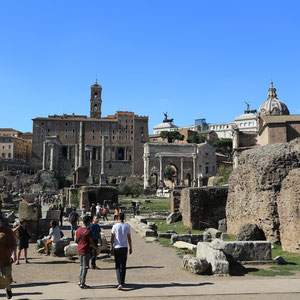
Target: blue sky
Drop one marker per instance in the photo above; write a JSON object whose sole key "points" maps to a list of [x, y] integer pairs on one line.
{"points": [[192, 59]]}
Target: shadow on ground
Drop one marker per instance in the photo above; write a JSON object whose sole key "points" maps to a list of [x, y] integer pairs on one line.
{"points": [[136, 286]]}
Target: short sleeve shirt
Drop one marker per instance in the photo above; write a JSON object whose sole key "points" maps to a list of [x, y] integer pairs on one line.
{"points": [[120, 231], [84, 243], [95, 231]]}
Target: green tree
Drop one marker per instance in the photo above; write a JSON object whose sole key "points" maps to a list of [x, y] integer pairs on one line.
{"points": [[196, 138], [168, 173], [171, 136], [223, 173], [130, 188], [224, 146]]}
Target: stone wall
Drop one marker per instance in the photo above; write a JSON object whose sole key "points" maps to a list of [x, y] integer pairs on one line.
{"points": [[288, 203], [175, 200], [203, 207], [254, 187]]}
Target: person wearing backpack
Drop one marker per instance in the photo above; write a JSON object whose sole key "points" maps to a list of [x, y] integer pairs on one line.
{"points": [[74, 221], [85, 242]]}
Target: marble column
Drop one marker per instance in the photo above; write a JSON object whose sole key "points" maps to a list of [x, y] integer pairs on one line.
{"points": [[103, 179], [81, 144], [91, 180], [76, 156], [51, 158], [146, 172], [44, 156], [181, 171], [194, 171], [161, 178]]}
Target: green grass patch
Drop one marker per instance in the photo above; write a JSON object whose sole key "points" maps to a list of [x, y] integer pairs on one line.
{"points": [[162, 226], [156, 205], [231, 238], [292, 266]]}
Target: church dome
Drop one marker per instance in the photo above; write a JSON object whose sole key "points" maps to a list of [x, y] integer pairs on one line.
{"points": [[273, 106]]}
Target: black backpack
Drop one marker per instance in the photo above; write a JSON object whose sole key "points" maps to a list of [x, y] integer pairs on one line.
{"points": [[73, 217]]}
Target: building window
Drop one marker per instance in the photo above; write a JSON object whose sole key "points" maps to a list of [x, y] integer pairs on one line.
{"points": [[113, 131], [112, 125], [56, 124], [9, 146], [3, 147], [120, 137], [73, 130], [66, 136], [101, 131], [93, 137], [66, 130], [131, 127], [49, 123], [93, 130], [206, 169], [113, 137], [93, 125], [131, 132], [37, 124], [131, 138], [42, 123], [120, 131], [126, 138], [107, 131], [3, 155], [66, 123], [73, 136], [9, 155], [56, 130]]}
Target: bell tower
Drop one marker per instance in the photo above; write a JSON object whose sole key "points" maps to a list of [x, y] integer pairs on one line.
{"points": [[96, 101]]}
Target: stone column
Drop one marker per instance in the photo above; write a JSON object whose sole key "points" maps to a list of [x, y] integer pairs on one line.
{"points": [[102, 179], [194, 171], [44, 156], [146, 171], [97, 154], [76, 156], [181, 171], [161, 179], [91, 180], [81, 144], [51, 158]]}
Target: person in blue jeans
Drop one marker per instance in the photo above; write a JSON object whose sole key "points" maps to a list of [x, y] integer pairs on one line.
{"points": [[96, 236], [74, 220], [120, 238]]}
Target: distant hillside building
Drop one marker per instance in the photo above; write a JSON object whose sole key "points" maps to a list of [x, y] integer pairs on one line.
{"points": [[124, 134]]}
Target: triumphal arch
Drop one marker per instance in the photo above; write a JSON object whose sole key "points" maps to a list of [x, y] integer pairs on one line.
{"points": [[191, 163]]}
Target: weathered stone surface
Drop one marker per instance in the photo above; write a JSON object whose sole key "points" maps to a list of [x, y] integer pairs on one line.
{"points": [[198, 266], [152, 225], [58, 247], [70, 250], [141, 228], [250, 232], [173, 217], [29, 211], [288, 203], [194, 265], [185, 261], [175, 200], [222, 225], [189, 238], [224, 236], [141, 219], [255, 184], [206, 236], [53, 214], [217, 244], [185, 245], [248, 250], [216, 258], [215, 234], [203, 207], [164, 235]]}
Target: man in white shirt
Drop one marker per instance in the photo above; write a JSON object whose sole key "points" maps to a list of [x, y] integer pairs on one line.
{"points": [[120, 234], [98, 209]]}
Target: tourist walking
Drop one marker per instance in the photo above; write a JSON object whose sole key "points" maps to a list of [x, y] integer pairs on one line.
{"points": [[120, 234], [23, 240], [61, 208], [96, 236], [74, 221], [104, 213], [85, 242], [98, 209], [116, 215], [7, 246], [93, 210], [54, 236]]}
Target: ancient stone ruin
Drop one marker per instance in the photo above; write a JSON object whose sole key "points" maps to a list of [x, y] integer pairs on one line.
{"points": [[264, 190]]}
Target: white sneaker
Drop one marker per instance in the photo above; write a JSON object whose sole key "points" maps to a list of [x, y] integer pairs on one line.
{"points": [[120, 287]]}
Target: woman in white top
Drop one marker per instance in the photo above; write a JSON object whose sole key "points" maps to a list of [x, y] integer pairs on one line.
{"points": [[54, 236]]}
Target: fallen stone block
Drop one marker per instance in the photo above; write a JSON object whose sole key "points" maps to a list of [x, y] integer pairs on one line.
{"points": [[58, 247], [164, 235], [206, 236], [215, 234], [70, 250], [189, 238], [141, 219], [248, 250], [216, 258], [173, 217], [184, 245], [197, 266], [185, 261], [250, 232]]}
